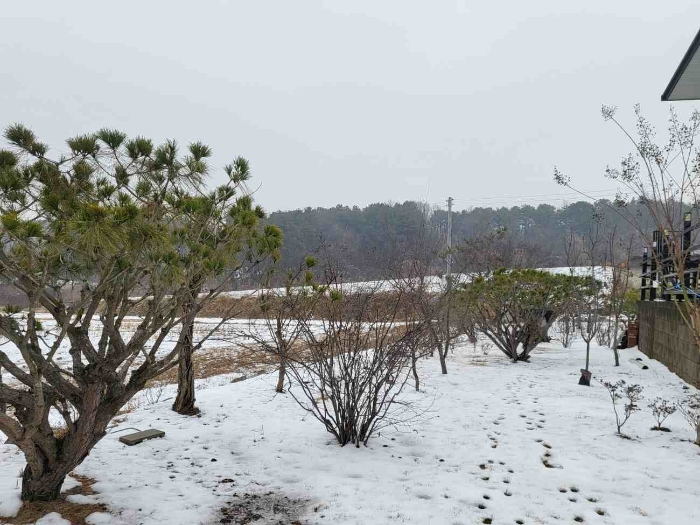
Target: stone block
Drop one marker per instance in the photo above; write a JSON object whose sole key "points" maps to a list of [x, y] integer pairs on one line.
{"points": [[138, 437]]}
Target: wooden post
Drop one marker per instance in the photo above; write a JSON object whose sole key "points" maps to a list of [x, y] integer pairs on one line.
{"points": [[654, 254], [664, 264], [645, 267], [687, 228]]}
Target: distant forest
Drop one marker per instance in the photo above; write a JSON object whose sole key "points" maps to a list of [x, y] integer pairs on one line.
{"points": [[367, 241], [365, 238]]}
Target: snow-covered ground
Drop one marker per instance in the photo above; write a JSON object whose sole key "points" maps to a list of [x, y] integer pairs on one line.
{"points": [[436, 283], [229, 336], [476, 454]]}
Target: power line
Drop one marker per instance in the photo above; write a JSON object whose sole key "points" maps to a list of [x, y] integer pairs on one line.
{"points": [[450, 200], [509, 197], [514, 201]]}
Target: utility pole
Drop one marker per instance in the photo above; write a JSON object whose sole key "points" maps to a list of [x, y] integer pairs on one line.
{"points": [[450, 200]]}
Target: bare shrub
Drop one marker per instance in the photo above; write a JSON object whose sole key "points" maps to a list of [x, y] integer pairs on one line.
{"points": [[565, 329], [661, 409], [283, 312], [414, 271], [357, 362], [690, 408], [486, 347], [154, 391], [604, 335], [629, 395]]}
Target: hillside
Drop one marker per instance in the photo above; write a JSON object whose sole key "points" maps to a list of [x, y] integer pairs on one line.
{"points": [[366, 239]]}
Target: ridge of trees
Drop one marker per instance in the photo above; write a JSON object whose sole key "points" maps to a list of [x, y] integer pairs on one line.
{"points": [[367, 238]]}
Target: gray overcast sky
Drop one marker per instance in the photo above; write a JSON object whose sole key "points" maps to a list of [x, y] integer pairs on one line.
{"points": [[358, 101]]}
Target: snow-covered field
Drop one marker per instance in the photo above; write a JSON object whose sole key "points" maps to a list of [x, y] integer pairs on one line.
{"points": [[436, 283], [229, 336], [475, 455]]}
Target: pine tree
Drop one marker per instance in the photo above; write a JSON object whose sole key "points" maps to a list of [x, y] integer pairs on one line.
{"points": [[132, 227]]}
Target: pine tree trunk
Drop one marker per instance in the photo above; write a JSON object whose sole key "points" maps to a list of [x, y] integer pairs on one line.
{"points": [[46, 487], [185, 401]]}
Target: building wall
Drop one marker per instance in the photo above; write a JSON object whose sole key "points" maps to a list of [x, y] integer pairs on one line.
{"points": [[664, 336]]}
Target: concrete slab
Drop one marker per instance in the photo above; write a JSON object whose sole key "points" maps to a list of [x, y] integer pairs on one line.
{"points": [[138, 437]]}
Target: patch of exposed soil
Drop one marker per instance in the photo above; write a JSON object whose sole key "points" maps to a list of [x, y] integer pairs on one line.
{"points": [[269, 508]]}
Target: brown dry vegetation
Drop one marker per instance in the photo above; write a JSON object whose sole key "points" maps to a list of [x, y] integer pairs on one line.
{"points": [[73, 512], [249, 307], [248, 360], [219, 361]]}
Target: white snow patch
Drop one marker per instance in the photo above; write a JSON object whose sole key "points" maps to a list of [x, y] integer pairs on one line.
{"points": [[100, 518], [11, 465], [489, 424], [81, 499], [53, 519]]}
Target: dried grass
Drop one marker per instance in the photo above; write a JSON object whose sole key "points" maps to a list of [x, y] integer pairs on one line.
{"points": [[73, 512]]}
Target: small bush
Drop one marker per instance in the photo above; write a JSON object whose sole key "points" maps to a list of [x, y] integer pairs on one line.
{"points": [[354, 368], [661, 410], [566, 329], [690, 408], [629, 394]]}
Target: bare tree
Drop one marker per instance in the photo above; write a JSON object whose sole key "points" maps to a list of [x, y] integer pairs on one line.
{"points": [[590, 304], [567, 325], [620, 254], [664, 179], [416, 276], [356, 363], [484, 253], [285, 311], [414, 293]]}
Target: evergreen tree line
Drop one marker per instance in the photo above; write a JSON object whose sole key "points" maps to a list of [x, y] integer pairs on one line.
{"points": [[368, 239]]}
